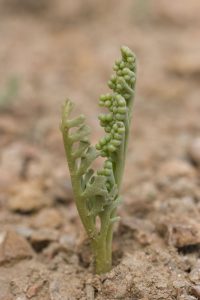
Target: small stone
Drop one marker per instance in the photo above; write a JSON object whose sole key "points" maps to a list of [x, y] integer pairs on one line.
{"points": [[142, 230], [33, 290], [195, 290], [13, 247], [183, 234], [27, 197], [185, 64], [24, 231], [187, 297], [176, 168], [47, 218], [179, 284], [194, 151], [40, 239], [21, 298], [67, 240], [195, 273]]}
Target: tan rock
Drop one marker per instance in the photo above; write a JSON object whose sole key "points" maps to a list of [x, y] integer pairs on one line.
{"points": [[47, 218], [27, 197], [13, 247], [176, 168], [181, 233]]}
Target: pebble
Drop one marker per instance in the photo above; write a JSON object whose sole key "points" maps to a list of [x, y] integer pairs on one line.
{"points": [[196, 291], [195, 273], [40, 239], [47, 218], [176, 168], [185, 64], [27, 197], [187, 297], [13, 247], [183, 234]]}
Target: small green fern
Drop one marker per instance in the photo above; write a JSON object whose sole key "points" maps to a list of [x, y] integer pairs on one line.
{"points": [[97, 192]]}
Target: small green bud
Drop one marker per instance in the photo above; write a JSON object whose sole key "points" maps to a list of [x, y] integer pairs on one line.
{"points": [[121, 110], [113, 78], [110, 84], [130, 59], [125, 71], [108, 137], [120, 117], [108, 97], [102, 117], [118, 97], [120, 124], [108, 103], [119, 73], [102, 142], [102, 97], [121, 130], [105, 148], [107, 129], [103, 154], [132, 79], [106, 172], [112, 131], [121, 102], [127, 77], [117, 62], [109, 117], [108, 164], [99, 172], [102, 123], [98, 147], [111, 148], [115, 126], [117, 136], [119, 86], [115, 143], [122, 64], [126, 96]]}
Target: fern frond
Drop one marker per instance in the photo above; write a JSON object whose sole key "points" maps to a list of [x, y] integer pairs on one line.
{"points": [[97, 192]]}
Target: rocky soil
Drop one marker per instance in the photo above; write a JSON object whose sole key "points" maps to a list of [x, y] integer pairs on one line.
{"points": [[51, 50]]}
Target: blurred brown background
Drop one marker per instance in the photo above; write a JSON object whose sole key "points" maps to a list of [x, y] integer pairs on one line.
{"points": [[51, 50]]}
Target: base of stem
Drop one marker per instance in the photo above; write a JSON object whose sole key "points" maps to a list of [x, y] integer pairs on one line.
{"points": [[102, 256]]}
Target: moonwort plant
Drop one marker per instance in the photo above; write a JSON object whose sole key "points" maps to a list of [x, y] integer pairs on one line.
{"points": [[96, 192]]}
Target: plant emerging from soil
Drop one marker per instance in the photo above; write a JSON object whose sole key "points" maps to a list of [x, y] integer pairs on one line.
{"points": [[97, 192]]}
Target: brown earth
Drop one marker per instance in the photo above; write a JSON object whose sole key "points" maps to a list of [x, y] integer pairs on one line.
{"points": [[51, 50]]}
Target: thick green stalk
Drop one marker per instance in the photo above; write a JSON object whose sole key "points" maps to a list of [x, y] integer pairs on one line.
{"points": [[102, 255]]}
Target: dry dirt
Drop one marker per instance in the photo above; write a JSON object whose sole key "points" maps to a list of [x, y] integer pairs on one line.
{"points": [[50, 50]]}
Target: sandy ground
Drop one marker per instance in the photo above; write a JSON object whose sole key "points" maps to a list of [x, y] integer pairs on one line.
{"points": [[51, 50]]}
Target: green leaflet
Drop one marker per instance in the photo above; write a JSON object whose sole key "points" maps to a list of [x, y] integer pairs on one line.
{"points": [[91, 186], [96, 187]]}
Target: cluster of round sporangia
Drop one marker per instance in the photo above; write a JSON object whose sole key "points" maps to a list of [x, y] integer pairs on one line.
{"points": [[124, 80], [107, 171], [107, 168], [113, 123], [112, 140]]}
